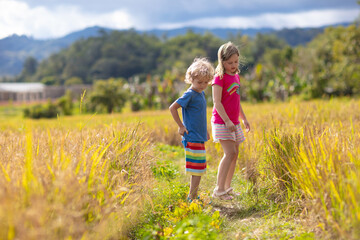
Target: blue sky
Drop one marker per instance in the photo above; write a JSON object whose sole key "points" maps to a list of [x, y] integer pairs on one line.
{"points": [[43, 19]]}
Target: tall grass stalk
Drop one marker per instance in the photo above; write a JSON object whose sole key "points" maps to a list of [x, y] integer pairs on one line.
{"points": [[59, 183], [321, 165], [305, 155]]}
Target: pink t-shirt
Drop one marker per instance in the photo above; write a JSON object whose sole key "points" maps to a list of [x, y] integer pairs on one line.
{"points": [[230, 98]]}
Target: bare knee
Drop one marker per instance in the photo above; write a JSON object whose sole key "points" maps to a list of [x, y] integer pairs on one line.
{"points": [[231, 150], [236, 153], [231, 154]]}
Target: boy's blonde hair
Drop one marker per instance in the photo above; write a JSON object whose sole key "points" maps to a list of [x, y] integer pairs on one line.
{"points": [[225, 52], [200, 68]]}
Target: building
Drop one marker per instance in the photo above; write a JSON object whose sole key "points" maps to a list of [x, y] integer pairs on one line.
{"points": [[22, 92], [31, 92]]}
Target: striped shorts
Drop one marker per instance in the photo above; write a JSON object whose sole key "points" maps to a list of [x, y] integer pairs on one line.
{"points": [[220, 132], [195, 156]]}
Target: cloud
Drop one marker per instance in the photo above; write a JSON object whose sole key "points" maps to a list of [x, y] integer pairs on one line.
{"points": [[315, 18], [18, 18], [55, 20]]}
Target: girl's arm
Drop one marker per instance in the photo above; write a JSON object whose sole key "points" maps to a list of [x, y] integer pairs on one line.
{"points": [[243, 117], [217, 94], [174, 112]]}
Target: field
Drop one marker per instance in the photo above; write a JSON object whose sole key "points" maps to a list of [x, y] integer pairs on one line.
{"points": [[121, 176]]}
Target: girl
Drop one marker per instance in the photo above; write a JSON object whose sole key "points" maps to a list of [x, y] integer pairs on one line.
{"points": [[225, 122], [193, 129]]}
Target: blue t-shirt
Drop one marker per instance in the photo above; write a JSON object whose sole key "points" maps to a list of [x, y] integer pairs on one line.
{"points": [[193, 106]]}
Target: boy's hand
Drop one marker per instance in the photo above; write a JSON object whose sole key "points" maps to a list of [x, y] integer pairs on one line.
{"points": [[182, 130]]}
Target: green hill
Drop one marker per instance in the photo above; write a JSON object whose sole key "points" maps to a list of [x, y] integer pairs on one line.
{"points": [[15, 49]]}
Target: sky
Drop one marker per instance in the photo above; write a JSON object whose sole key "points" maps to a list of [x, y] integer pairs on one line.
{"points": [[46, 19]]}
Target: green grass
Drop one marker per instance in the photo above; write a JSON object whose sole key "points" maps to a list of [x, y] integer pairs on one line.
{"points": [[250, 216], [11, 110]]}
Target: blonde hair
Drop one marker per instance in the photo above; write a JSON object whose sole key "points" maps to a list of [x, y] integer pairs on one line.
{"points": [[200, 68], [224, 53]]}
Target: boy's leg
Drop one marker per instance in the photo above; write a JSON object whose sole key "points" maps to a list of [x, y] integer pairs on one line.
{"points": [[194, 186], [230, 154], [232, 167], [195, 157]]}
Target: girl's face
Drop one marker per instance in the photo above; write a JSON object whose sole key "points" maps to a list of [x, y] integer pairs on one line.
{"points": [[199, 84], [231, 65]]}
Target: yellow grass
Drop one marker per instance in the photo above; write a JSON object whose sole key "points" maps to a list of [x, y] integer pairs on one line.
{"points": [[312, 155], [87, 176], [62, 182]]}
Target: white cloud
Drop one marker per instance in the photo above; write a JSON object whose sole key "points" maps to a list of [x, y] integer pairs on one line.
{"points": [[274, 20], [18, 18]]}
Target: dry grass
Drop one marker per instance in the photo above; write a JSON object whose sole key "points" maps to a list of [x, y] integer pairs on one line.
{"points": [[59, 183], [307, 155], [86, 176]]}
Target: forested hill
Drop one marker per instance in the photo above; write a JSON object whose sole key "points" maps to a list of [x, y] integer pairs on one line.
{"points": [[272, 69], [15, 49]]}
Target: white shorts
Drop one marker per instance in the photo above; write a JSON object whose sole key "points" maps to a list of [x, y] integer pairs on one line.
{"points": [[220, 132]]}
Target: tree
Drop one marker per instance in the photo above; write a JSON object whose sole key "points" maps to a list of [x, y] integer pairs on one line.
{"points": [[263, 42], [49, 80], [65, 103], [265, 58], [29, 69], [330, 63], [51, 67], [110, 94], [30, 66], [106, 68], [73, 81], [178, 53], [280, 74]]}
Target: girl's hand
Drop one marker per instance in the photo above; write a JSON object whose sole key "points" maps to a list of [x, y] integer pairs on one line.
{"points": [[208, 136], [230, 126], [182, 130], [247, 125]]}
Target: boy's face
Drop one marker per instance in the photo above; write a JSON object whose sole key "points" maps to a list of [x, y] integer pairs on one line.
{"points": [[231, 65], [200, 84]]}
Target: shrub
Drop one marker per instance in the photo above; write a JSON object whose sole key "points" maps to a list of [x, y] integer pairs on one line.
{"points": [[48, 110]]}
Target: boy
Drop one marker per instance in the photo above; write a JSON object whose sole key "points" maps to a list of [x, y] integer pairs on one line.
{"points": [[193, 129]]}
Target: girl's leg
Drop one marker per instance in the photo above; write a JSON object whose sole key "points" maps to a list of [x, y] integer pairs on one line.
{"points": [[232, 167], [230, 153], [194, 186]]}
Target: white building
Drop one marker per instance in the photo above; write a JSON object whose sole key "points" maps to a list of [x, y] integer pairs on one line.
{"points": [[29, 92], [22, 92]]}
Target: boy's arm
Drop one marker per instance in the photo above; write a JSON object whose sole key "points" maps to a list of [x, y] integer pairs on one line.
{"points": [[174, 112], [217, 94]]}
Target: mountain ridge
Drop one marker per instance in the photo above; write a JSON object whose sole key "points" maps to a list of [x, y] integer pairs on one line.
{"points": [[15, 49]]}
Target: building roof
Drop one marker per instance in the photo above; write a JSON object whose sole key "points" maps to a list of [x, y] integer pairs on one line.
{"points": [[22, 87]]}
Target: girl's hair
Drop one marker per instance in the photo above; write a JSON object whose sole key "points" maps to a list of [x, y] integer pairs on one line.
{"points": [[225, 52], [200, 68]]}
